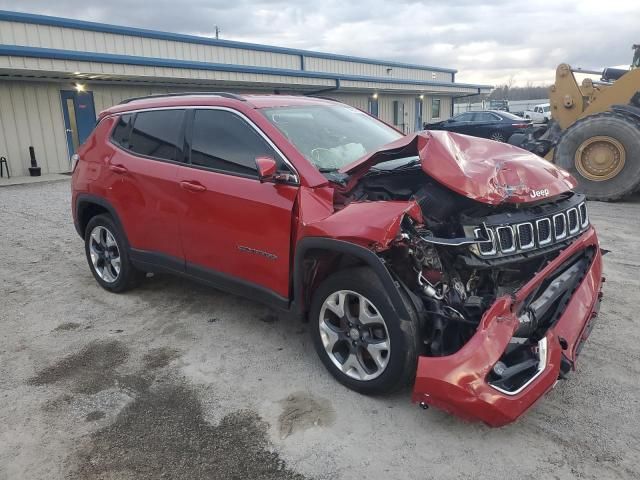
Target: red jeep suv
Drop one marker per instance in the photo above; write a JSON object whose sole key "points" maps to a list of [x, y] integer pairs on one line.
{"points": [[464, 266]]}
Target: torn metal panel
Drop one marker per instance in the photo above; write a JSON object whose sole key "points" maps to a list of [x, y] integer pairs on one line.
{"points": [[480, 169]]}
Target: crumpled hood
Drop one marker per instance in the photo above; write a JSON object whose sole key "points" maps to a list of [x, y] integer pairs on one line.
{"points": [[480, 169]]}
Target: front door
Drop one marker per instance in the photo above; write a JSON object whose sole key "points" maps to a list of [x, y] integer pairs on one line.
{"points": [[418, 124], [233, 226], [79, 117], [398, 116]]}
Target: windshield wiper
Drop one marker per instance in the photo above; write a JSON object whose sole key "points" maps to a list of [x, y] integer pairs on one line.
{"points": [[328, 170]]}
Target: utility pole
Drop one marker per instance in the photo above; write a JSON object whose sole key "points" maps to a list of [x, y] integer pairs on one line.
{"points": [[217, 32]]}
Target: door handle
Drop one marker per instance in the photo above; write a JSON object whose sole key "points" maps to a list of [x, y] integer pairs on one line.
{"points": [[193, 186], [118, 169]]}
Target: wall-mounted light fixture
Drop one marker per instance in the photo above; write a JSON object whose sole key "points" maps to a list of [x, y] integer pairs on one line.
{"points": [[421, 97], [374, 96], [80, 87]]}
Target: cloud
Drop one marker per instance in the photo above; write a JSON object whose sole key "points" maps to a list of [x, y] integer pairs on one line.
{"points": [[494, 42]]}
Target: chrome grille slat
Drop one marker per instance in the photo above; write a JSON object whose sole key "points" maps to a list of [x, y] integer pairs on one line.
{"points": [[573, 223], [544, 231], [541, 232], [486, 248], [584, 219], [559, 226], [506, 239], [526, 239]]}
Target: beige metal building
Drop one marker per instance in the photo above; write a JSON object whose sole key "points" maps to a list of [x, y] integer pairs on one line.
{"points": [[57, 73]]}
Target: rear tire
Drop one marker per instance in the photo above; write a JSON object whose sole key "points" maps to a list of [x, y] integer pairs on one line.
{"points": [[606, 169], [354, 351], [107, 253]]}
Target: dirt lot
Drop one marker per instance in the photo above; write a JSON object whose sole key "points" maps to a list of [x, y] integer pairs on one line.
{"points": [[175, 380]]}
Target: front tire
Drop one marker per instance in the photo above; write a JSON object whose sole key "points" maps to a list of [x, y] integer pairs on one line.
{"points": [[358, 335], [108, 255]]}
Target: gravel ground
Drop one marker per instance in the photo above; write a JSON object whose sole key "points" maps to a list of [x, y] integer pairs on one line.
{"points": [[174, 380]]}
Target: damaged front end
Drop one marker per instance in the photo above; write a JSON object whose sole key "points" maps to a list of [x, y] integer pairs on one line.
{"points": [[506, 291]]}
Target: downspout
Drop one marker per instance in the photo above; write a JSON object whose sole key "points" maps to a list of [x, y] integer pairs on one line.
{"points": [[461, 96]]}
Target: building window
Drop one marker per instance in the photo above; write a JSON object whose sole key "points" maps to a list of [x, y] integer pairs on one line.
{"points": [[435, 108]]}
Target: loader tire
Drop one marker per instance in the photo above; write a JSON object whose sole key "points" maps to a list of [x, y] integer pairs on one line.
{"points": [[602, 152]]}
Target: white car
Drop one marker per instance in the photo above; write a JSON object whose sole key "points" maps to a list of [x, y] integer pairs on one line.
{"points": [[540, 113]]}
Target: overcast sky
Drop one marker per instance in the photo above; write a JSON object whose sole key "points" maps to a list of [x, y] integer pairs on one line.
{"points": [[490, 41]]}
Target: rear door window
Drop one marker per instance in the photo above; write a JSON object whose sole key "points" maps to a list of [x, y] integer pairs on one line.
{"points": [[158, 134], [223, 141], [483, 117]]}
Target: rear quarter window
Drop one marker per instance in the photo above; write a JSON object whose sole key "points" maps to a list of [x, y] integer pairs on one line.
{"points": [[120, 134]]}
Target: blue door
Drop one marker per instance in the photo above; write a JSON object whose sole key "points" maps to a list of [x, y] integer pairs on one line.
{"points": [[373, 106], [79, 117], [418, 125]]}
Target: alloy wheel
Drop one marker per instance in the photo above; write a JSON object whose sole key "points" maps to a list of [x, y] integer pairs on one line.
{"points": [[354, 335], [497, 137], [105, 254]]}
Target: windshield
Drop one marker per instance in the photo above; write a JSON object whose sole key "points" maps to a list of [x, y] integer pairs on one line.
{"points": [[331, 136]]}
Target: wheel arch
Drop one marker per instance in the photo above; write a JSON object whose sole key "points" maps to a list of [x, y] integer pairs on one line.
{"points": [[88, 206], [343, 254]]}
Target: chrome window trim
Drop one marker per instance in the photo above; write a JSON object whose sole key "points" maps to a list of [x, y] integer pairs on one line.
{"points": [[513, 239], [542, 364], [564, 222], [550, 238], [533, 239], [577, 228], [294, 171]]}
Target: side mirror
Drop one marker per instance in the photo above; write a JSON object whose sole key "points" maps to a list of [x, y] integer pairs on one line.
{"points": [[266, 168]]}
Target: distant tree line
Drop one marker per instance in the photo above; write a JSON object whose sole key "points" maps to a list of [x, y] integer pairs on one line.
{"points": [[509, 92]]}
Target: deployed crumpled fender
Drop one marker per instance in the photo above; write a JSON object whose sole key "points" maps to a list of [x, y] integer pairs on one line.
{"points": [[371, 224], [360, 229], [480, 169]]}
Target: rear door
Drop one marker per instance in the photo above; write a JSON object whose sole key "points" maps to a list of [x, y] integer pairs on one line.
{"points": [[484, 123], [236, 231], [143, 187]]}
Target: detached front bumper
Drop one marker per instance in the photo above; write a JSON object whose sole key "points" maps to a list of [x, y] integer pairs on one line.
{"points": [[458, 383]]}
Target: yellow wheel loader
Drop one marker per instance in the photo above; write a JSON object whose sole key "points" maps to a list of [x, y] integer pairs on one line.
{"points": [[595, 130]]}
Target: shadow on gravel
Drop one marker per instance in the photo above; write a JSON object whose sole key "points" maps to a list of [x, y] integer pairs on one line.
{"points": [[90, 370], [163, 434]]}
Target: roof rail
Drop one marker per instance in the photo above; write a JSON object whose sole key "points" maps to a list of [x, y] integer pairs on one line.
{"points": [[183, 94]]}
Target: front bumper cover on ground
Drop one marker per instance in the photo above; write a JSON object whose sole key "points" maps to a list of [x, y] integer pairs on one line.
{"points": [[458, 383]]}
